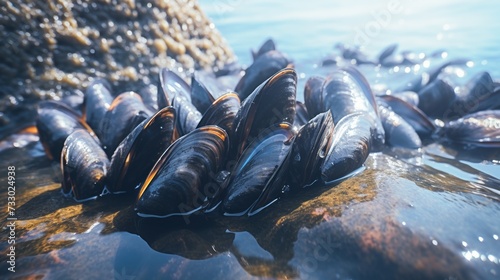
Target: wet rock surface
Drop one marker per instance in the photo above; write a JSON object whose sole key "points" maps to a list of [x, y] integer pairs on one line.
{"points": [[53, 49], [428, 213], [387, 222]]}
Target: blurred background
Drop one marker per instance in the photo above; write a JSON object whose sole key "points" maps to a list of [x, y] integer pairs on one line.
{"points": [[308, 30]]}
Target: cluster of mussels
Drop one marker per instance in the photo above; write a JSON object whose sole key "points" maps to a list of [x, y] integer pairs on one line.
{"points": [[196, 148]]}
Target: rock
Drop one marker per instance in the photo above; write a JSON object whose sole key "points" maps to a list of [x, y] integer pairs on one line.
{"points": [[53, 49]]}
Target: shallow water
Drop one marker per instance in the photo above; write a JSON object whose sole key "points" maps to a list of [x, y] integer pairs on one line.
{"points": [[308, 30], [430, 213]]}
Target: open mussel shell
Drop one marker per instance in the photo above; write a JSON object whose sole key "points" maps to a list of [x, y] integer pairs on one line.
{"points": [[313, 95], [55, 122], [398, 132], [346, 92], [411, 114], [261, 69], [436, 98], [84, 165], [188, 116], [181, 182], [481, 129], [139, 151], [222, 112], [257, 178], [273, 102], [349, 148], [125, 113], [309, 149], [170, 85], [96, 102]]}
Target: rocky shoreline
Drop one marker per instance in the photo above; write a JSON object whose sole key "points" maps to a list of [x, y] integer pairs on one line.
{"points": [[53, 49]]}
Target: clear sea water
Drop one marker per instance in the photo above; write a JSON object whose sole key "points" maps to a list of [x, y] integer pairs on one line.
{"points": [[308, 30]]}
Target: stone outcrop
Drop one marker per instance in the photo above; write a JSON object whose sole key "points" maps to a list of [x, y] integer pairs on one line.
{"points": [[50, 49]]}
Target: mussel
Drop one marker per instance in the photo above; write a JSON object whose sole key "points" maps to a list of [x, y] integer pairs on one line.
{"points": [[181, 181], [261, 69], [188, 116], [353, 54], [387, 52], [349, 149], [170, 85], [310, 148], [301, 115], [346, 92], [398, 132], [202, 95], [436, 98], [55, 122], [272, 102], [257, 179], [414, 116], [313, 95], [96, 102], [481, 129], [222, 112], [477, 95], [139, 151], [125, 113], [84, 165], [267, 46]]}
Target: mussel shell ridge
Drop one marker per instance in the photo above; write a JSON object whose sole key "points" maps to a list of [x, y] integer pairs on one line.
{"points": [[180, 183]]}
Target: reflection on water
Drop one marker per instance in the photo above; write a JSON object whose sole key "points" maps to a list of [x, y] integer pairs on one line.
{"points": [[407, 210]]}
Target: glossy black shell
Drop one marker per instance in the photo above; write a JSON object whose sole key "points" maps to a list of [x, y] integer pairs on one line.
{"points": [[181, 182]]}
